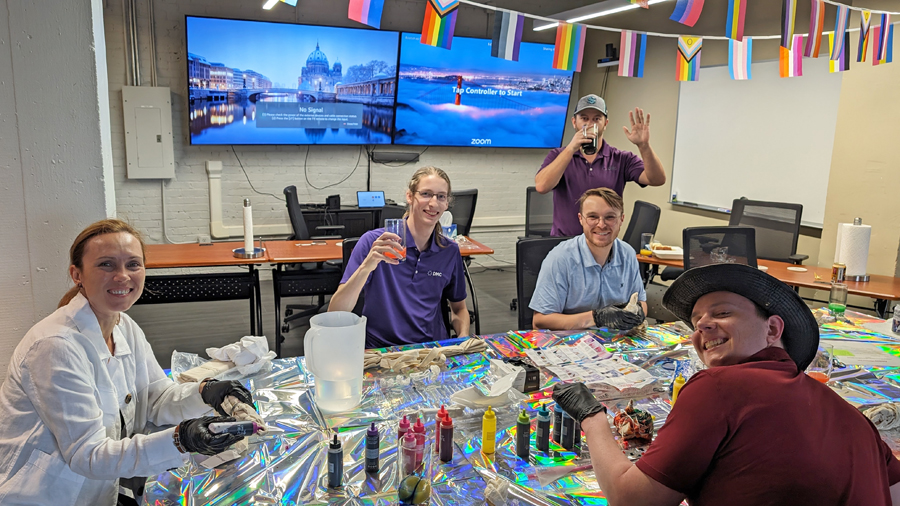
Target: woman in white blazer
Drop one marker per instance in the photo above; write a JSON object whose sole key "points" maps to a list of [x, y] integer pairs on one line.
{"points": [[83, 384]]}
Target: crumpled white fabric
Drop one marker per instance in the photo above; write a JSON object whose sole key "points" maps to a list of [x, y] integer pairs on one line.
{"points": [[885, 417], [496, 491], [249, 354], [421, 358]]}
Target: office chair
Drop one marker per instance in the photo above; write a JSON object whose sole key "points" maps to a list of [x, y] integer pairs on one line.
{"points": [[777, 226], [316, 279], [538, 213], [391, 212], [530, 254], [463, 209], [644, 220], [712, 245]]}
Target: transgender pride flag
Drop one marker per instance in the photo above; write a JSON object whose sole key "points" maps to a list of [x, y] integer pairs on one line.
{"points": [[739, 55]]}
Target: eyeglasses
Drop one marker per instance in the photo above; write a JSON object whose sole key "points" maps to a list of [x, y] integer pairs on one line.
{"points": [[609, 219], [426, 196]]}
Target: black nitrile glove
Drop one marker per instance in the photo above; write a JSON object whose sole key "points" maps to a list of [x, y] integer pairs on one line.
{"points": [[576, 400], [195, 436], [615, 317], [214, 392]]}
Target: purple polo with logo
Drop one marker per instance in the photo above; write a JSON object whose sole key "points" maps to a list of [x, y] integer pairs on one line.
{"points": [[611, 169], [403, 302]]}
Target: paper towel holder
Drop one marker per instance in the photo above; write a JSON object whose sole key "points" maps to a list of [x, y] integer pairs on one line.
{"points": [[865, 277], [256, 253]]}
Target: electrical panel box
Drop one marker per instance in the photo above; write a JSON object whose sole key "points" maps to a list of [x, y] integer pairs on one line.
{"points": [[148, 132]]}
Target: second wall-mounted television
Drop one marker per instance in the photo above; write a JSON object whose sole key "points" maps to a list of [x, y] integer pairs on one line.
{"points": [[254, 82], [466, 97]]}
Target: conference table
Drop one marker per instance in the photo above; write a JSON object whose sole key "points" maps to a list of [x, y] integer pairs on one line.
{"points": [[881, 288]]}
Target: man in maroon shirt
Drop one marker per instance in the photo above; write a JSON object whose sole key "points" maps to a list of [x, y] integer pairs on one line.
{"points": [[752, 428], [570, 172]]}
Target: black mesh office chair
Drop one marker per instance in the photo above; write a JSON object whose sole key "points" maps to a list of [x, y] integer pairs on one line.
{"points": [[463, 209], [298, 223], [712, 245], [538, 213], [391, 212], [530, 253], [777, 226], [644, 220]]}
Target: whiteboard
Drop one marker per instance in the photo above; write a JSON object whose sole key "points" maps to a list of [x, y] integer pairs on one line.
{"points": [[768, 138]]}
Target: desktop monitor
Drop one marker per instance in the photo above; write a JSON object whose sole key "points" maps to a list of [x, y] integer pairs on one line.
{"points": [[370, 199]]}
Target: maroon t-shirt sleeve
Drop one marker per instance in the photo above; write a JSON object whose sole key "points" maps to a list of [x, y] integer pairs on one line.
{"points": [[686, 444], [893, 465], [633, 166]]}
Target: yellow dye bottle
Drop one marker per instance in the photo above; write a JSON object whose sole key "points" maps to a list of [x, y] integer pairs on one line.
{"points": [[488, 431], [676, 387]]}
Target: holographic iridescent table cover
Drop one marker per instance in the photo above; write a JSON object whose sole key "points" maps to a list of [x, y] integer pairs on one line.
{"points": [[289, 467]]}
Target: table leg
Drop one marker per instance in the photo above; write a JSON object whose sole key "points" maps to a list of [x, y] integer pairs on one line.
{"points": [[257, 291], [276, 275], [881, 307], [474, 299]]}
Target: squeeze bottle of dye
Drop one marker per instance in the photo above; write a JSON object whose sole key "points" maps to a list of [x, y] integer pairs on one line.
{"points": [[542, 438], [523, 435], [419, 431], [568, 431], [437, 428], [676, 387], [403, 428], [488, 431], [335, 463], [408, 453], [446, 439], [557, 424], [373, 447]]}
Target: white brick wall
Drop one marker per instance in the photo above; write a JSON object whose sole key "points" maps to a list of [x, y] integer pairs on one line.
{"points": [[501, 175]]}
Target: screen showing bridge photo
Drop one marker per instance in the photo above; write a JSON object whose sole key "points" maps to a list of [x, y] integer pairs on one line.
{"points": [[466, 97], [252, 82]]}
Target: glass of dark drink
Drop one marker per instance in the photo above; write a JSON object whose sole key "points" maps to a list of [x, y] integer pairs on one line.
{"points": [[590, 148]]}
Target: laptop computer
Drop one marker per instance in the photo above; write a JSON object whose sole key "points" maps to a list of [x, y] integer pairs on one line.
{"points": [[370, 199]]}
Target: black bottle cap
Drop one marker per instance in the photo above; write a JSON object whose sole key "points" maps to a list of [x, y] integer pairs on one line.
{"points": [[336, 444]]}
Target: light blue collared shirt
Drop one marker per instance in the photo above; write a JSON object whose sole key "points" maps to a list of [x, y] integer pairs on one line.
{"points": [[571, 281]]}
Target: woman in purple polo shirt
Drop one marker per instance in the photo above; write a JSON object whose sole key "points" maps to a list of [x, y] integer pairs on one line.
{"points": [[403, 299]]}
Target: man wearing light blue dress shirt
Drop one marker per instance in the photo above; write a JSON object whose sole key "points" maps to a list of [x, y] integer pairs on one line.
{"points": [[586, 281]]}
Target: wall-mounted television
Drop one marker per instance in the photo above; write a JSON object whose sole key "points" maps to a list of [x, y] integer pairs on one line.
{"points": [[254, 82], [466, 97]]}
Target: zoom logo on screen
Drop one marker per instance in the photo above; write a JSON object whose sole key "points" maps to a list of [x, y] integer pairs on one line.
{"points": [[481, 142]]}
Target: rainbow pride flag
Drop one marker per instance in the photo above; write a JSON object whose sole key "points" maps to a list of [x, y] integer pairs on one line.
{"points": [[687, 11], [687, 66], [865, 21], [841, 20], [367, 12], [439, 23], [739, 57], [788, 14], [633, 47], [569, 49], [888, 56], [842, 62], [790, 61], [883, 39], [734, 24], [816, 23]]}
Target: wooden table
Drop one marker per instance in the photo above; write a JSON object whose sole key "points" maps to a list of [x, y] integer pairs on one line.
{"points": [[203, 287], [880, 288]]}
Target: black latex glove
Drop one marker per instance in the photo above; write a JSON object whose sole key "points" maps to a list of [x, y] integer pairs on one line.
{"points": [[615, 317], [576, 400], [214, 392], [195, 436]]}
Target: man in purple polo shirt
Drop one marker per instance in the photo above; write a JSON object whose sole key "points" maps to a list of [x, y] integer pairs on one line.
{"points": [[569, 172]]}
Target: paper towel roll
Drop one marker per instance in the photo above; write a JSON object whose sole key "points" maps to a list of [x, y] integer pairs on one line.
{"points": [[852, 247], [248, 227]]}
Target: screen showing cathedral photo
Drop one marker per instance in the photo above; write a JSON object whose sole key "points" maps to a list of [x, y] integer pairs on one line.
{"points": [[252, 82], [466, 97]]}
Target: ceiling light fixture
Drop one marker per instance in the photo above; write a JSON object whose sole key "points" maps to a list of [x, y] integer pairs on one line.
{"points": [[597, 14]]}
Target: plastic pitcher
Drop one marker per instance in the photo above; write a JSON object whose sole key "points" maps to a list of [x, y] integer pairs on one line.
{"points": [[335, 344]]}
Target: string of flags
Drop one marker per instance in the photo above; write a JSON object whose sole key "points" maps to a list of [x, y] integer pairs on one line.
{"points": [[439, 23]]}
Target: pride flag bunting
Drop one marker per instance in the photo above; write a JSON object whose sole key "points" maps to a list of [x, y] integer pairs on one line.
{"points": [[883, 39], [439, 23], [569, 48], [367, 12], [788, 13], [816, 23], [687, 66], [734, 24], [643, 3], [739, 56], [841, 19], [790, 61], [633, 49], [842, 62], [888, 56], [687, 11], [865, 21], [507, 36]]}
